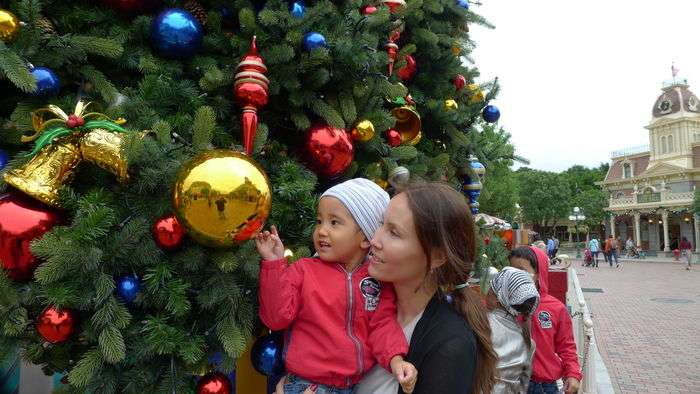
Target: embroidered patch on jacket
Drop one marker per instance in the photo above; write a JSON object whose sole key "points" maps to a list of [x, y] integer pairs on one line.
{"points": [[545, 319], [370, 289]]}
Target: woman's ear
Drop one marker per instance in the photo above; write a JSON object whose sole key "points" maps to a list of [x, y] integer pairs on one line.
{"points": [[437, 258]]}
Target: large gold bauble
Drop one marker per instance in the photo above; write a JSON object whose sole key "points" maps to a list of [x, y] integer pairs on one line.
{"points": [[9, 26], [222, 197]]}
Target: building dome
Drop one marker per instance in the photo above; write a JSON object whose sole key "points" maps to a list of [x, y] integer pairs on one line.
{"points": [[676, 97]]}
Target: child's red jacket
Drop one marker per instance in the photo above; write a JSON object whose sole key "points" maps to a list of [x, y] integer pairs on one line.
{"points": [[338, 323], [555, 349]]}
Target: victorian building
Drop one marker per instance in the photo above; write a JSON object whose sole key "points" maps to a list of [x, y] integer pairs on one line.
{"points": [[651, 187]]}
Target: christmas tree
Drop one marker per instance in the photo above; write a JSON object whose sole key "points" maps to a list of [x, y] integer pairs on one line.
{"points": [[148, 140]]}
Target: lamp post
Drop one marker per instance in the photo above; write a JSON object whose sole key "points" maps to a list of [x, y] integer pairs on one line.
{"points": [[575, 217]]}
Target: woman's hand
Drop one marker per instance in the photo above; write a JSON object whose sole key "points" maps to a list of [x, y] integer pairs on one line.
{"points": [[405, 373], [269, 244]]}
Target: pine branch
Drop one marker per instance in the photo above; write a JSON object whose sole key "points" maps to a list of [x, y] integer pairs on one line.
{"points": [[86, 368], [204, 123], [96, 45], [16, 70]]}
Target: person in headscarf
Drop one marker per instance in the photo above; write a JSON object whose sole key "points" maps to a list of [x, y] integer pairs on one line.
{"points": [[512, 299]]}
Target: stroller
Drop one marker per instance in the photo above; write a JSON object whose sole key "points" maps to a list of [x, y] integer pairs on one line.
{"points": [[587, 258]]}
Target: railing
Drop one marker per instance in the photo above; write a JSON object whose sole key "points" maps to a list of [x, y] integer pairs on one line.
{"points": [[630, 151], [583, 333], [663, 196]]}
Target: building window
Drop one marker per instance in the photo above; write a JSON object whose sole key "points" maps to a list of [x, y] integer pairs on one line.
{"points": [[670, 143], [663, 145], [626, 170]]}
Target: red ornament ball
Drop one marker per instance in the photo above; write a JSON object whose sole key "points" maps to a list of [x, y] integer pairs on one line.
{"points": [[393, 138], [22, 220], [132, 6], [329, 150], [168, 232], [460, 82], [55, 326], [368, 10], [214, 383], [409, 70]]}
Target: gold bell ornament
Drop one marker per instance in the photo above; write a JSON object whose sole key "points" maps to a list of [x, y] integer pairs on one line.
{"points": [[408, 124], [61, 143]]}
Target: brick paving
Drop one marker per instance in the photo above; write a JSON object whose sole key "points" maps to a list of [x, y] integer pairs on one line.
{"points": [[648, 346]]}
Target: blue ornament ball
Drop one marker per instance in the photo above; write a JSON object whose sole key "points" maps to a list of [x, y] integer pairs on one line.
{"points": [[4, 159], [474, 208], [176, 33], [314, 40], [491, 113], [47, 82], [128, 287], [463, 3], [297, 9], [266, 355]]}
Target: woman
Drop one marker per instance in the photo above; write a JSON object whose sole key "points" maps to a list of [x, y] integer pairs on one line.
{"points": [[426, 247], [686, 251], [513, 295]]}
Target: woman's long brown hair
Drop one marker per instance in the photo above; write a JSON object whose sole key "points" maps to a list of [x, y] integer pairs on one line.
{"points": [[444, 222]]}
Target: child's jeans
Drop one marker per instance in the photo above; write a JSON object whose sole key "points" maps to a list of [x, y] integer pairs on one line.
{"points": [[539, 388], [296, 385]]}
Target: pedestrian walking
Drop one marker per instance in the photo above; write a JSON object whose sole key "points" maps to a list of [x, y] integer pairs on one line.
{"points": [[594, 247], [629, 246], [612, 253], [607, 248], [686, 251], [556, 246]]}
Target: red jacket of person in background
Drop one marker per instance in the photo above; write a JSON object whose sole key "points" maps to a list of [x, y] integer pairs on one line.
{"points": [[338, 323], [555, 349]]}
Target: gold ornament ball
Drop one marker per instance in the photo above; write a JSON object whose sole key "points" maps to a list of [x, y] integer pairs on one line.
{"points": [[363, 132], [477, 95], [9, 25], [451, 105], [381, 182], [222, 197], [456, 50]]}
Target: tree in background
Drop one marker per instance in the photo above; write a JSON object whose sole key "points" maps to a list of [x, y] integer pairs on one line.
{"points": [[544, 197], [500, 194], [587, 195], [120, 293]]}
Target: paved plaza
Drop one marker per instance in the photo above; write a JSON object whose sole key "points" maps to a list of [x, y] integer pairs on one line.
{"points": [[646, 321]]}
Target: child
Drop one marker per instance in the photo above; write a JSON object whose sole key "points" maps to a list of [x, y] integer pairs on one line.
{"points": [[555, 354], [339, 320], [512, 295]]}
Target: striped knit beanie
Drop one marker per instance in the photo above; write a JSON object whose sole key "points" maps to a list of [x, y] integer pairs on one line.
{"points": [[365, 200], [513, 287]]}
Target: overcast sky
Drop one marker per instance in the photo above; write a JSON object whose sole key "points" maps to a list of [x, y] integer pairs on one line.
{"points": [[579, 78]]}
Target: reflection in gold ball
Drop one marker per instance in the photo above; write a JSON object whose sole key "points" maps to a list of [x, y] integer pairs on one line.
{"points": [[451, 105], [222, 197], [363, 132], [9, 26]]}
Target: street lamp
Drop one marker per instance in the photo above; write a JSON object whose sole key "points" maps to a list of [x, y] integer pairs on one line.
{"points": [[576, 217]]}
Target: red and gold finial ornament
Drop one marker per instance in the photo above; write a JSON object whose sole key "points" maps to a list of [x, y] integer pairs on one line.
{"points": [[251, 89], [392, 49]]}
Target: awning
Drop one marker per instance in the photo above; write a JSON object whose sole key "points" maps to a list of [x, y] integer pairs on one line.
{"points": [[491, 222]]}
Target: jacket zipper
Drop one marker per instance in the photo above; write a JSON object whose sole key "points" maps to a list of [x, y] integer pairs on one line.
{"points": [[358, 346]]}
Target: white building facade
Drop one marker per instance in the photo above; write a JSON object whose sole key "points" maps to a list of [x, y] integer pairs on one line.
{"points": [[651, 187]]}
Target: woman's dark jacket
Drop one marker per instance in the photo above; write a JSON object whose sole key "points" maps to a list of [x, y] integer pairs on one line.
{"points": [[443, 349]]}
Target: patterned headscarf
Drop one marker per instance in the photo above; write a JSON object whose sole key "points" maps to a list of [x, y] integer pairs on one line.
{"points": [[513, 287]]}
